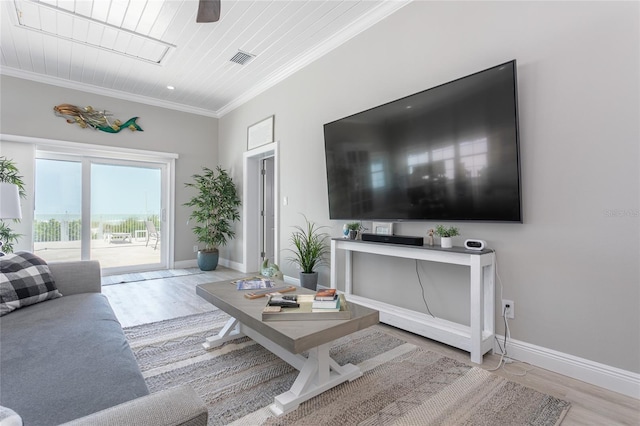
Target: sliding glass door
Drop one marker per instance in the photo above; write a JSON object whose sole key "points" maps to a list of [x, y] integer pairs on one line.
{"points": [[110, 210], [124, 199], [57, 225]]}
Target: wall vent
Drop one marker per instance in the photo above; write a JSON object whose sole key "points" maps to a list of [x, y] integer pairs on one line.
{"points": [[242, 57]]}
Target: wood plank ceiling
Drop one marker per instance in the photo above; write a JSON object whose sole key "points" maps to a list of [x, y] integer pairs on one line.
{"points": [[134, 49]]}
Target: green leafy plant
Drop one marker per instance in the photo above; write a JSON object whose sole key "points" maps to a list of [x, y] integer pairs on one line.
{"points": [[215, 207], [354, 226], [7, 237], [443, 231], [311, 246], [9, 173]]}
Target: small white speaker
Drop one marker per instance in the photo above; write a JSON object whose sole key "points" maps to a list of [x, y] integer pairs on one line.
{"points": [[472, 244]]}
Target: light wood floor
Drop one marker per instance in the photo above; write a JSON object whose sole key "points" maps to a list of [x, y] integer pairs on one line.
{"points": [[155, 300]]}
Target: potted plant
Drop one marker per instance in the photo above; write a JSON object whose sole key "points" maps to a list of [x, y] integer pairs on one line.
{"points": [[309, 252], [9, 174], [446, 235], [354, 228], [215, 208]]}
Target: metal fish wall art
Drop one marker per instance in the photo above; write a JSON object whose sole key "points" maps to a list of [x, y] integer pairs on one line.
{"points": [[98, 120]]}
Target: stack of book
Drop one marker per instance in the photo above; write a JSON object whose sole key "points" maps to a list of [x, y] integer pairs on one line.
{"points": [[326, 300], [282, 308]]}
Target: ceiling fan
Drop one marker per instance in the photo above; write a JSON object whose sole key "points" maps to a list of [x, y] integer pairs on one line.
{"points": [[208, 11]]}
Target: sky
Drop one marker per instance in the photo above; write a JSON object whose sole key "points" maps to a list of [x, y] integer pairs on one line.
{"points": [[115, 190]]}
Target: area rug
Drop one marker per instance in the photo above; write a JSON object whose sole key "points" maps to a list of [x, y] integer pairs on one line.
{"points": [[402, 384], [151, 275]]}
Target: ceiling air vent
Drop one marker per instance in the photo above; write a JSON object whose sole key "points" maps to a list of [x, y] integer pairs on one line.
{"points": [[242, 57]]}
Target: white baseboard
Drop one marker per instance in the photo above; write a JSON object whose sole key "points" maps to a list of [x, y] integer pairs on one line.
{"points": [[184, 264], [193, 263], [296, 281], [233, 265], [595, 373], [290, 280]]}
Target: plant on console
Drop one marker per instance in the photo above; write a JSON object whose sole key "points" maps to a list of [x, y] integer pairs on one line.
{"points": [[443, 231], [446, 234], [354, 228]]}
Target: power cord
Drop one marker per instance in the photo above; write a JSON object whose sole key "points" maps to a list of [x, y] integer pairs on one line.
{"points": [[503, 349], [422, 287], [504, 357]]}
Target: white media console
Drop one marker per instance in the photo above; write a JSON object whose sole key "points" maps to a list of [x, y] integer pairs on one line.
{"points": [[477, 338]]}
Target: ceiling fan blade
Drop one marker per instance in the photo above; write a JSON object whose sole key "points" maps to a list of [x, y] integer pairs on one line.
{"points": [[208, 11]]}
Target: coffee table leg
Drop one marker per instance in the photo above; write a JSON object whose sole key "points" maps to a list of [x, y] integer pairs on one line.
{"points": [[318, 374], [230, 331]]}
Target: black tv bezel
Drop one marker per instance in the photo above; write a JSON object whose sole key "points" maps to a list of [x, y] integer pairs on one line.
{"points": [[516, 118]]}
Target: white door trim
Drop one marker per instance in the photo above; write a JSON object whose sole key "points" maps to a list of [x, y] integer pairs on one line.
{"points": [[251, 205]]}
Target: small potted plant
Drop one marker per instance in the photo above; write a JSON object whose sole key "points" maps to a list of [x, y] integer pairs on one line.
{"points": [[215, 209], [446, 235], [354, 228], [309, 252]]}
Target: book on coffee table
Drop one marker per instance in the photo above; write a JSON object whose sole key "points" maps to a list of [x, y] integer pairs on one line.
{"points": [[306, 312], [325, 305], [254, 283], [326, 294]]}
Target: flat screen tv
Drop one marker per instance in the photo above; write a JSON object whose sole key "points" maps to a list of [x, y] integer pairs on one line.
{"points": [[448, 153]]}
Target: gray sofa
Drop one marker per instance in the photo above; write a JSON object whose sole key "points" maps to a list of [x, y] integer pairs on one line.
{"points": [[67, 360]]}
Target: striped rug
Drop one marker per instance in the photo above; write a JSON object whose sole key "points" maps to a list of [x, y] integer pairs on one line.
{"points": [[402, 384]]}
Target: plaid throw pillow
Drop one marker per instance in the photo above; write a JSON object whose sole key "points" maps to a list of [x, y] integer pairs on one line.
{"points": [[25, 280]]}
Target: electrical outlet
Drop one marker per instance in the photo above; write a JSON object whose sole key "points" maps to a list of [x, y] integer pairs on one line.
{"points": [[195, 249], [510, 311]]}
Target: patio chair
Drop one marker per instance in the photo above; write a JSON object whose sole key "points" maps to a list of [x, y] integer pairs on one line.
{"points": [[152, 233]]}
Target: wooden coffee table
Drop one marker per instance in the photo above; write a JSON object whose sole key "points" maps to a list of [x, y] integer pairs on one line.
{"points": [[288, 340]]}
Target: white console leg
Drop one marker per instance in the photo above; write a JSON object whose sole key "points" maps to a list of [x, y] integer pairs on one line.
{"points": [[477, 307], [489, 272], [334, 271]]}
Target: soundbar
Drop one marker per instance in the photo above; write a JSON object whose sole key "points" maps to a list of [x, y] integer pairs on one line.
{"points": [[394, 239]]}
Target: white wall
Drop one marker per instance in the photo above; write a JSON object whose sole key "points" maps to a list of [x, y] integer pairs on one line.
{"points": [[27, 110], [572, 267]]}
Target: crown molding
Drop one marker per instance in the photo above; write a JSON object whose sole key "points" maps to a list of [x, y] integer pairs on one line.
{"points": [[382, 11], [118, 94]]}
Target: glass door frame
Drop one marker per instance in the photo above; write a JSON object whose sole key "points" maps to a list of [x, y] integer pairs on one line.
{"points": [[88, 155]]}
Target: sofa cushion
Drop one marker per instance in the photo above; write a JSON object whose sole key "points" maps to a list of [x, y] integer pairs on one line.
{"points": [[66, 358], [25, 279]]}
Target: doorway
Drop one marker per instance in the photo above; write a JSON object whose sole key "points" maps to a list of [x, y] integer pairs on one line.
{"points": [[260, 207], [268, 209]]}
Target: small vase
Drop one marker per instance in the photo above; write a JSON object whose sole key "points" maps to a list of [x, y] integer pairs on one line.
{"points": [[446, 242], [353, 234]]}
